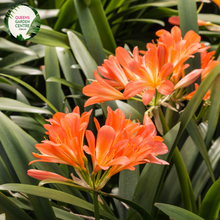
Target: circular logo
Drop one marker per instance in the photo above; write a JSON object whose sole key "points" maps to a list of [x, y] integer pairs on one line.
{"points": [[22, 22]]}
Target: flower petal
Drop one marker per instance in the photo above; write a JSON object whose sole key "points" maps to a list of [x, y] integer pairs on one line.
{"points": [[189, 79], [166, 87], [148, 95]]}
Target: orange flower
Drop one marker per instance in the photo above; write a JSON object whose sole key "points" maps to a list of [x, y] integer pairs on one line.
{"points": [[207, 61], [66, 134], [101, 91], [122, 144], [190, 95], [153, 74]]}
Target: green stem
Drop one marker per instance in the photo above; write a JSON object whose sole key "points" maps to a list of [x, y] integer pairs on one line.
{"points": [[184, 180], [136, 99], [96, 205]]}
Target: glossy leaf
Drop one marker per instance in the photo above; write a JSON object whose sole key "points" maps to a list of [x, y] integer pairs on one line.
{"points": [[11, 209], [194, 103], [67, 60], [18, 58], [102, 25], [177, 213], [196, 136], [202, 175], [12, 47], [127, 183], [213, 113], [144, 20], [13, 146], [21, 70], [65, 82], [209, 208], [82, 55], [53, 194], [50, 37], [7, 104], [90, 31], [54, 92]]}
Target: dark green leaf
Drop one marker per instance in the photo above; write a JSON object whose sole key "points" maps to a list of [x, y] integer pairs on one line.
{"points": [[197, 138], [177, 213], [209, 208], [82, 55], [90, 32]]}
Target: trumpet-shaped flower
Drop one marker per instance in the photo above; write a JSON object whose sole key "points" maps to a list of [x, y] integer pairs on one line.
{"points": [[153, 75], [66, 136], [120, 144]]}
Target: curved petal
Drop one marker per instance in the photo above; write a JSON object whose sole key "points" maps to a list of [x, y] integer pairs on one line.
{"points": [[189, 79], [166, 70], [133, 88], [123, 56], [166, 87], [148, 95], [176, 32], [105, 139]]}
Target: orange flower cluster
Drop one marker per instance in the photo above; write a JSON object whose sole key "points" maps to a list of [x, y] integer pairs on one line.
{"points": [[120, 144], [160, 70]]}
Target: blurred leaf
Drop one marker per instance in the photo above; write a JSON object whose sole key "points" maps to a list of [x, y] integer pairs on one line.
{"points": [[127, 182], [177, 213], [65, 82], [19, 159], [12, 47], [209, 208], [160, 12], [144, 20], [47, 13], [55, 195], [19, 58], [188, 16], [32, 90], [142, 6], [196, 100], [90, 32], [197, 138], [209, 17], [7, 104], [67, 15], [50, 38], [189, 153], [28, 123], [5, 176], [54, 92], [82, 55], [143, 213], [21, 97], [213, 112], [130, 112], [202, 176], [66, 215], [102, 25], [12, 209], [21, 70]]}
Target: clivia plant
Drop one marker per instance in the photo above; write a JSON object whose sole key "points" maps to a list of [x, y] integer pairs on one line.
{"points": [[131, 133]]}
